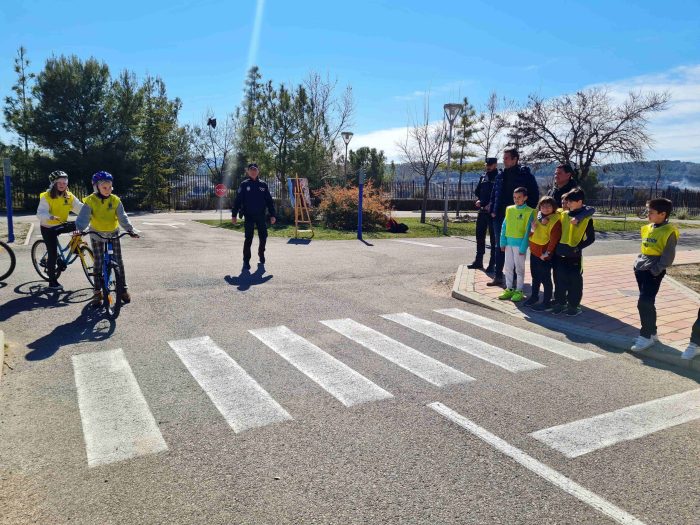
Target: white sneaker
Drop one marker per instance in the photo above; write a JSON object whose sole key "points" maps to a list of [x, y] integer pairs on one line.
{"points": [[690, 352], [642, 343]]}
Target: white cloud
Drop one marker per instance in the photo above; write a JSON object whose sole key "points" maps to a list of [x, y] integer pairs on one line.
{"points": [[383, 139]]}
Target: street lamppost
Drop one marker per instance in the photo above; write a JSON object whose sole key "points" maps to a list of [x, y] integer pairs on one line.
{"points": [[452, 111], [347, 135]]}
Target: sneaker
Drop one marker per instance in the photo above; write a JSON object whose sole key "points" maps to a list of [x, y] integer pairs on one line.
{"points": [[476, 265], [517, 296], [542, 307], [56, 286], [642, 343], [507, 294], [97, 298], [558, 308], [126, 298], [571, 311], [497, 281], [532, 300], [690, 352]]}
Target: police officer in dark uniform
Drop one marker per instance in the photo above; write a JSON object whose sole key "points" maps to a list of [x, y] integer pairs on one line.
{"points": [[484, 221], [251, 200]]}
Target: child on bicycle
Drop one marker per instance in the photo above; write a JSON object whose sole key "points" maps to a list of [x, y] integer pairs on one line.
{"points": [[104, 212], [55, 204]]}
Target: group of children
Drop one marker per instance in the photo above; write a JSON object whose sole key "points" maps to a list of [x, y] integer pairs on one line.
{"points": [[102, 211], [556, 239]]}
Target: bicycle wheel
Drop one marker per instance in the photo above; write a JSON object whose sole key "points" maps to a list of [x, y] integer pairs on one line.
{"points": [[7, 261], [87, 261], [112, 292], [39, 260]]}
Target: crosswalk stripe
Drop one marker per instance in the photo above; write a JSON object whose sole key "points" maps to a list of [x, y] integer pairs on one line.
{"points": [[541, 341], [117, 423], [338, 379], [497, 356], [427, 244], [549, 474], [423, 366], [586, 435], [240, 399]]}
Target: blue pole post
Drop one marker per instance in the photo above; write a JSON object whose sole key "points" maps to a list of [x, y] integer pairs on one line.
{"points": [[361, 180], [8, 199]]}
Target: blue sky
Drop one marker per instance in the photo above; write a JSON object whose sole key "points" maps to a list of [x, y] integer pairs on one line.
{"points": [[391, 53]]}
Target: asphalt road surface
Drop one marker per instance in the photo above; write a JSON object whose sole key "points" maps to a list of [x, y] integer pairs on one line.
{"points": [[338, 384]]}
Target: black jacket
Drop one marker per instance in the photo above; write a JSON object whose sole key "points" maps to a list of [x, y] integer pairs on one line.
{"points": [[506, 181], [484, 187], [252, 198], [556, 193]]}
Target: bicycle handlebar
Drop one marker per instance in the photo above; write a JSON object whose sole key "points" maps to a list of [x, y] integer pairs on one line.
{"points": [[119, 236]]}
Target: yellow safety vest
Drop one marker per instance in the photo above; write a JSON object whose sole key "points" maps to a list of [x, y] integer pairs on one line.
{"points": [[543, 232], [59, 207], [654, 239], [104, 212], [516, 221], [572, 235]]}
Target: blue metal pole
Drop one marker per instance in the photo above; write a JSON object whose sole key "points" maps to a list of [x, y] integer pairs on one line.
{"points": [[8, 200], [359, 213]]}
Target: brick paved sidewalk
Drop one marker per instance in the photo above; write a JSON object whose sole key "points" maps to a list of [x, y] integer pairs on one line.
{"points": [[609, 303]]}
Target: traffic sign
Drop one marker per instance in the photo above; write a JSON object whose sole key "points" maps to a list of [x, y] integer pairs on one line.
{"points": [[220, 190]]}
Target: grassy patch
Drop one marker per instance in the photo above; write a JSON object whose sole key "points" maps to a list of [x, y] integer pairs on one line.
{"points": [[20, 229], [688, 274], [431, 228]]}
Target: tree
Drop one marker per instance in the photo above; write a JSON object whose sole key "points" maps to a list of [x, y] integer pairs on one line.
{"points": [[373, 163], [214, 146], [492, 123], [586, 126], [19, 108], [251, 147], [464, 137], [424, 149]]}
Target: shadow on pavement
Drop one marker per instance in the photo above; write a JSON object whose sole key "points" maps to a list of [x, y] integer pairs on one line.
{"points": [[299, 241], [90, 326], [366, 243], [35, 296], [246, 279]]}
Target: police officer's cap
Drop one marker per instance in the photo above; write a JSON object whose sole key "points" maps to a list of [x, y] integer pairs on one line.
{"points": [[491, 160], [252, 166]]}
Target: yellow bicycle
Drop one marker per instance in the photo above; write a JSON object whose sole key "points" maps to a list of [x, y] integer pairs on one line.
{"points": [[76, 249]]}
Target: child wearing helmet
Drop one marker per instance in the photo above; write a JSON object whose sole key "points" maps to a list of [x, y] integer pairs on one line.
{"points": [[104, 213], [55, 204]]}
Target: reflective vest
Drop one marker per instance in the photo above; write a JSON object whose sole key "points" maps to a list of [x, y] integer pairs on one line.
{"points": [[543, 232], [59, 207], [104, 212], [572, 235], [654, 239], [517, 220]]}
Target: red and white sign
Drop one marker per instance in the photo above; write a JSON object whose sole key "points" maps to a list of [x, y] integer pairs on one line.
{"points": [[220, 190]]}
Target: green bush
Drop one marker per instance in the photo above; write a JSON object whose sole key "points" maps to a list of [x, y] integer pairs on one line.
{"points": [[339, 205]]}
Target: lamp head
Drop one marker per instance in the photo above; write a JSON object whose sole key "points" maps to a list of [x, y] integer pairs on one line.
{"points": [[452, 111], [347, 135]]}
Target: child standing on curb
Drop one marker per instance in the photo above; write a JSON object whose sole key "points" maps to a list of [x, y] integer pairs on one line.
{"points": [[544, 236], [577, 233], [659, 239], [514, 242]]}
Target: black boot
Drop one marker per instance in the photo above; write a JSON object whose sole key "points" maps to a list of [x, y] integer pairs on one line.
{"points": [[478, 264]]}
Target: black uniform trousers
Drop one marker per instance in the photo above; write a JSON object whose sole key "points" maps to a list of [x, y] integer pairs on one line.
{"points": [[569, 281], [541, 272], [649, 285], [497, 223], [695, 332], [251, 221], [484, 223]]}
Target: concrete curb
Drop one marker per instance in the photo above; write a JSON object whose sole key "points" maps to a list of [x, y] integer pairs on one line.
{"points": [[29, 235], [463, 289]]}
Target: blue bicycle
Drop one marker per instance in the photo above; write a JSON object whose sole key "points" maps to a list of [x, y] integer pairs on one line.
{"points": [[111, 278]]}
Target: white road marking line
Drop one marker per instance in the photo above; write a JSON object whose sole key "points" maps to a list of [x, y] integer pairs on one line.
{"points": [[240, 399], [497, 356], [425, 367], [117, 423], [338, 379], [542, 470], [541, 341], [586, 435], [418, 243]]}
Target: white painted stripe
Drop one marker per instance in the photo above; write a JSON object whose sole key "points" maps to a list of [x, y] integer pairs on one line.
{"points": [[497, 356], [117, 423], [419, 243], [586, 496], [425, 367], [240, 399], [541, 341], [586, 435], [338, 379]]}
